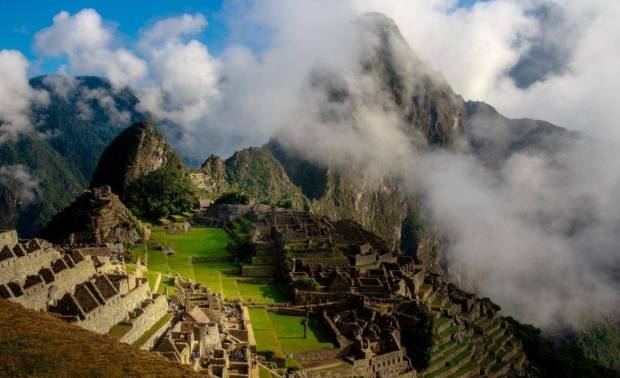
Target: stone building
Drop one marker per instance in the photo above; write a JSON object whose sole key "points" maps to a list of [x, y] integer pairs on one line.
{"points": [[209, 334], [71, 286], [389, 315]]}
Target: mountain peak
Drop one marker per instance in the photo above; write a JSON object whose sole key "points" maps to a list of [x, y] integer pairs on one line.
{"points": [[137, 151]]}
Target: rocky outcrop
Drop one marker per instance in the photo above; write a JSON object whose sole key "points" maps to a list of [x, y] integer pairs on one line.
{"points": [[136, 152], [430, 112], [95, 217], [422, 97]]}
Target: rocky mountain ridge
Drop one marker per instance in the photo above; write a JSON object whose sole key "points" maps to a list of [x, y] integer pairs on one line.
{"points": [[134, 153]]}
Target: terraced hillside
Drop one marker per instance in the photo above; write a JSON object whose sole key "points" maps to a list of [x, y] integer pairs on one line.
{"points": [[203, 255], [469, 343], [38, 345]]}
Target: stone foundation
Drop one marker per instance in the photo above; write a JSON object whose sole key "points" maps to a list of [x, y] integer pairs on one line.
{"points": [[146, 316]]}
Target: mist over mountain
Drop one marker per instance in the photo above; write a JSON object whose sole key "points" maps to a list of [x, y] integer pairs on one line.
{"points": [[520, 210], [44, 169]]}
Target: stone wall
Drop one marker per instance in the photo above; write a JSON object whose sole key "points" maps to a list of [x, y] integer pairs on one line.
{"points": [[39, 296], [17, 268], [312, 297], [146, 317], [317, 355], [262, 260], [8, 238], [150, 343], [390, 364], [115, 310], [418, 279], [365, 259], [257, 270]]}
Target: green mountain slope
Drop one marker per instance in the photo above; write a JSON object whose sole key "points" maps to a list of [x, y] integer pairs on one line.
{"points": [[254, 172], [147, 175], [57, 184], [84, 114]]}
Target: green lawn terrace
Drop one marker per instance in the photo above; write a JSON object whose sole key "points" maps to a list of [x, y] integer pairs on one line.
{"points": [[205, 255], [469, 338], [280, 338]]}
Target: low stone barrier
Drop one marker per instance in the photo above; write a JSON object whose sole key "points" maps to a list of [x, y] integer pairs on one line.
{"points": [[257, 270], [150, 343], [211, 259], [316, 355], [146, 319]]}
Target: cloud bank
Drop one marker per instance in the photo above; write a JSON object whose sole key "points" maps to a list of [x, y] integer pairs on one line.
{"points": [[90, 46], [537, 232], [20, 181], [16, 96]]}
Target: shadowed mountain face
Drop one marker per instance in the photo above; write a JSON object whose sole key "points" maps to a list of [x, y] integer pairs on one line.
{"points": [[494, 138], [136, 152], [85, 113]]}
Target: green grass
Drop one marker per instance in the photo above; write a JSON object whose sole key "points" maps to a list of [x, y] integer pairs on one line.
{"points": [[220, 276], [263, 293], [118, 331], [278, 332], [264, 373], [449, 331], [152, 277], [157, 261], [147, 335], [138, 252], [38, 345], [440, 322], [198, 241], [467, 368]]}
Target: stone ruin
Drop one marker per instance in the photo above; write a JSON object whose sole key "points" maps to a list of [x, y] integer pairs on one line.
{"points": [[389, 314], [69, 285], [208, 334], [95, 218]]}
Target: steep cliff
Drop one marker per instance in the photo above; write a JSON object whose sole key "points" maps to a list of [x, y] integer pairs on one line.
{"points": [[134, 153], [429, 112]]}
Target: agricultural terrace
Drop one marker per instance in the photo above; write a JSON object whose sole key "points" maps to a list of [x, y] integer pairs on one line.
{"points": [[203, 255], [279, 333]]}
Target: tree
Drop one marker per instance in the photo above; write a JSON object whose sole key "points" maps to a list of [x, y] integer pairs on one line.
{"points": [[307, 283], [232, 198], [413, 231], [161, 193]]}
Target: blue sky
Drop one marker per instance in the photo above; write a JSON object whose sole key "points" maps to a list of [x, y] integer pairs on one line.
{"points": [[20, 20]]}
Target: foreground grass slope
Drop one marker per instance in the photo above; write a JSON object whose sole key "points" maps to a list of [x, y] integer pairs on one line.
{"points": [[37, 345]]}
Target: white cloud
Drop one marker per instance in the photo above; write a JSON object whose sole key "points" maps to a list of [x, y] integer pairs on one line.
{"points": [[184, 76], [16, 96], [476, 48], [513, 233], [516, 234], [89, 44], [20, 181]]}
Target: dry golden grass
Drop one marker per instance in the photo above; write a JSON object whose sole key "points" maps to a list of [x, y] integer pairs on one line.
{"points": [[33, 344]]}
